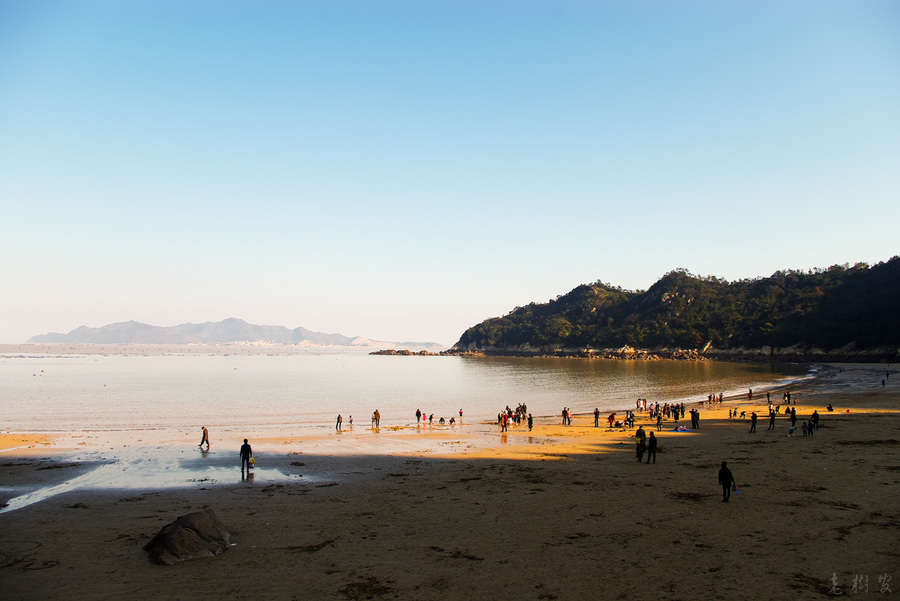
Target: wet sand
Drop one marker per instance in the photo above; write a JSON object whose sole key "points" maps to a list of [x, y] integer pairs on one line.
{"points": [[563, 512]]}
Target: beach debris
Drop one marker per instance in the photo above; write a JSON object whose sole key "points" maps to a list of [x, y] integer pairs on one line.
{"points": [[191, 536]]}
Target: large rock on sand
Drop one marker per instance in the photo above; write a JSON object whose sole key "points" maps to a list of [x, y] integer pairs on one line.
{"points": [[199, 534]]}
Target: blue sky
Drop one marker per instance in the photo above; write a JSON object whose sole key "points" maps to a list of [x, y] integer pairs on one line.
{"points": [[403, 170]]}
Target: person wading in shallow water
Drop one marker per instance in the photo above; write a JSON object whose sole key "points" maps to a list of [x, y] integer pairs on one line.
{"points": [[246, 456]]}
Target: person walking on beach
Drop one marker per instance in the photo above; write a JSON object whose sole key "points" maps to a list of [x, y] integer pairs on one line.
{"points": [[651, 448], [726, 479], [205, 438], [753, 418], [530, 422], [246, 456], [771, 419], [658, 423], [376, 418], [418, 416], [338, 425]]}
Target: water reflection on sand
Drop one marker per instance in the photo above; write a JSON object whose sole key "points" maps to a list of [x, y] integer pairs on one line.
{"points": [[144, 468]]}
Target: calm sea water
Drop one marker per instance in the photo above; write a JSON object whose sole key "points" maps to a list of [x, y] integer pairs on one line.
{"points": [[65, 393]]}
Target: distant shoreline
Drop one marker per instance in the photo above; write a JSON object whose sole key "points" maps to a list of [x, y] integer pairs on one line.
{"points": [[763, 355], [32, 348]]}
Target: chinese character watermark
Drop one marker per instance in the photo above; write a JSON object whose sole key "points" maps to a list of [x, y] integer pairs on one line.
{"points": [[859, 583]]}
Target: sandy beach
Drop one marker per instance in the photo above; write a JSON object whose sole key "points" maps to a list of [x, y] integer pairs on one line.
{"points": [[562, 512]]}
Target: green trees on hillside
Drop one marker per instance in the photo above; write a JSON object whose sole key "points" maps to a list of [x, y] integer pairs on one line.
{"points": [[828, 308]]}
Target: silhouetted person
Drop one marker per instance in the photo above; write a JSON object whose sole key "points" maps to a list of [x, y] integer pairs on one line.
{"points": [[530, 422], [753, 418], [651, 448], [640, 443], [246, 456], [596, 418], [337, 426], [726, 479]]}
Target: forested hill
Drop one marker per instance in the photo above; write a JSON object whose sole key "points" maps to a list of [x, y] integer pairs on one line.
{"points": [[841, 312]]}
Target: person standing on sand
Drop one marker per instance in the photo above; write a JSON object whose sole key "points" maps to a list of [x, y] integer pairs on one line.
{"points": [[338, 425], [641, 443], [771, 420], [246, 456], [651, 448], [530, 422], [205, 438], [376, 418], [658, 424], [596, 417], [726, 479], [753, 418], [418, 416]]}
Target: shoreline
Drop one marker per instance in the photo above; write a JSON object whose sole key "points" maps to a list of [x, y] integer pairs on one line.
{"points": [[109, 439], [567, 510], [875, 356]]}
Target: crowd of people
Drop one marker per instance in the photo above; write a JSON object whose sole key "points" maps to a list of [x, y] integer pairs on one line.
{"points": [[517, 417], [645, 443]]}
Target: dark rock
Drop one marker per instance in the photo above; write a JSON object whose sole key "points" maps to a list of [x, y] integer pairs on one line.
{"points": [[191, 536]]}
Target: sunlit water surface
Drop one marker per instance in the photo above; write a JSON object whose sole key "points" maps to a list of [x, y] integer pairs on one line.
{"points": [[62, 393]]}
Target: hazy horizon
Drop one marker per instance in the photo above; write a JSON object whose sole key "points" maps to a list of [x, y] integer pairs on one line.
{"points": [[403, 171]]}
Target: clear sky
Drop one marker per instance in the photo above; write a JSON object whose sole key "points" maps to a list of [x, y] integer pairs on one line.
{"points": [[402, 170]]}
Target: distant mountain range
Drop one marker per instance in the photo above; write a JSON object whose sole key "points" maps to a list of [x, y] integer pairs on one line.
{"points": [[229, 331]]}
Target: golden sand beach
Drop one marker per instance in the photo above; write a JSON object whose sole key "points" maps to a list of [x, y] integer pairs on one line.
{"points": [[562, 512]]}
